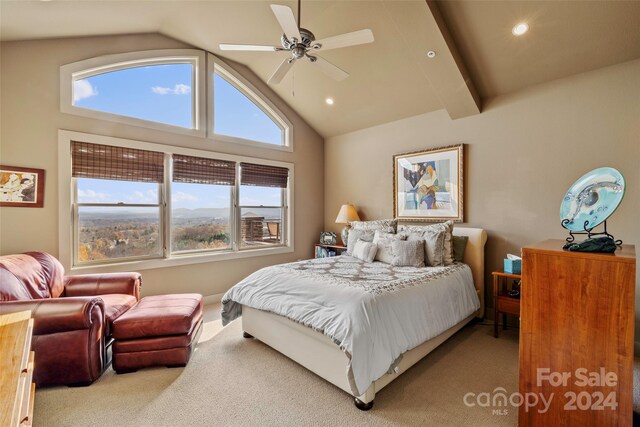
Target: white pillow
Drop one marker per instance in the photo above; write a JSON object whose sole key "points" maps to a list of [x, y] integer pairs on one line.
{"points": [[355, 235], [386, 225], [366, 251], [384, 241]]}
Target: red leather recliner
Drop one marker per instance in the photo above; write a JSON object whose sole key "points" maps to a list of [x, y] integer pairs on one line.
{"points": [[72, 315]]}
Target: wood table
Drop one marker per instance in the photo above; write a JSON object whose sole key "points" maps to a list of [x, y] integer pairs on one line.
{"points": [[502, 302], [17, 392]]}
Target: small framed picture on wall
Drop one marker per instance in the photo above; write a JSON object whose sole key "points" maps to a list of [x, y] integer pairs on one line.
{"points": [[21, 187]]}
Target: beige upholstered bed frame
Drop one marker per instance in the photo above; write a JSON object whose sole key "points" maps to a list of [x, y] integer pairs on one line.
{"points": [[321, 355]]}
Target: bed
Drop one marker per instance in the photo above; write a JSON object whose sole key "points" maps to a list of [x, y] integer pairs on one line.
{"points": [[342, 352]]}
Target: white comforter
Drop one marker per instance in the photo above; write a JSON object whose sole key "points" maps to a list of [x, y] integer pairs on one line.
{"points": [[375, 312]]}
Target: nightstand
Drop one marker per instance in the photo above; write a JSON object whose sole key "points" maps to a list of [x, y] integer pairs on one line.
{"points": [[322, 250], [502, 302]]}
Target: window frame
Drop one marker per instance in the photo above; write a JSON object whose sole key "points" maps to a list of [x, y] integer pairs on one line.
{"points": [[204, 66], [76, 227], [216, 65], [283, 206], [187, 252], [67, 221], [69, 73]]}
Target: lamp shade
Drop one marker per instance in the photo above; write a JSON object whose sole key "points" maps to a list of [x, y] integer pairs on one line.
{"points": [[347, 214]]}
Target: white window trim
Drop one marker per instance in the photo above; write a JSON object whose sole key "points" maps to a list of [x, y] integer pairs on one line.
{"points": [[108, 63], [65, 207], [215, 64]]}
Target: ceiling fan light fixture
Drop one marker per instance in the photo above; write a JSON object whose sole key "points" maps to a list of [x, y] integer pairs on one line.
{"points": [[329, 101], [299, 42], [520, 28]]}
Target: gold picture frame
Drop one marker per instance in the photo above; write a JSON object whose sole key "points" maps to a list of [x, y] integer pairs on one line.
{"points": [[428, 184]]}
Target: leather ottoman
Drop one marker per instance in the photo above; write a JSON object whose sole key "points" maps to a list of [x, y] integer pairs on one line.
{"points": [[160, 330]]}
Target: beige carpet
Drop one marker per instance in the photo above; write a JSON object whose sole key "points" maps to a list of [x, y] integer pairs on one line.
{"points": [[233, 381]]}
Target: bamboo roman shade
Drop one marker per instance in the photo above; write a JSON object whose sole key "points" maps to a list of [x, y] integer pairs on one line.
{"points": [[99, 161], [200, 170], [263, 175]]}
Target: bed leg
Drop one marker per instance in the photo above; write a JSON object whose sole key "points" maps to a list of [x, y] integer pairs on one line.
{"points": [[365, 402], [246, 335], [361, 405]]}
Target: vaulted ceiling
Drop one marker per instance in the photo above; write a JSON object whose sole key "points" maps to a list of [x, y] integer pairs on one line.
{"points": [[476, 54]]}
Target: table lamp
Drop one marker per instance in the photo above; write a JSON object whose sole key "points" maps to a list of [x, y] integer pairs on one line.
{"points": [[347, 214]]}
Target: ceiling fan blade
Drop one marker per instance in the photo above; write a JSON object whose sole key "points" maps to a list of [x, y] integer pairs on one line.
{"points": [[282, 71], [344, 40], [248, 47], [287, 21], [329, 69]]}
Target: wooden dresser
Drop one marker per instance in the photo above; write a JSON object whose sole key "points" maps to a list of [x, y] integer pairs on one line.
{"points": [[576, 336], [17, 392]]}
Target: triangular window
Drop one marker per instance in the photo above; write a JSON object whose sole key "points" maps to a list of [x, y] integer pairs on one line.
{"points": [[238, 114]]}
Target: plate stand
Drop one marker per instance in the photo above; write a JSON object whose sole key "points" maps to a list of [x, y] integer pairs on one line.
{"points": [[589, 232]]}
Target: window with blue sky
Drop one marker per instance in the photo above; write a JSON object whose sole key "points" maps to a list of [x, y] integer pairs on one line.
{"points": [[164, 93], [238, 116], [159, 93]]}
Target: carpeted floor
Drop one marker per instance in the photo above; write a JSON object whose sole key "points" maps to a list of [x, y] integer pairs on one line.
{"points": [[233, 381]]}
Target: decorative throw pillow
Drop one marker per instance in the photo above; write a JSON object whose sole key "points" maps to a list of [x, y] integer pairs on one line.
{"points": [[446, 226], [386, 225], [355, 235], [366, 251], [409, 253], [433, 240], [459, 245], [383, 241]]}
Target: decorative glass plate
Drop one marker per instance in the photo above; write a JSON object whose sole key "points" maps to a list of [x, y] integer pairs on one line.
{"points": [[592, 199]]}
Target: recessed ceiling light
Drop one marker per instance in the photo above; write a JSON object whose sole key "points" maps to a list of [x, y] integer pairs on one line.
{"points": [[329, 101], [520, 29]]}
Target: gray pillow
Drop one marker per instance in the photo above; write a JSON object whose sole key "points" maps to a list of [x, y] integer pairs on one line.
{"points": [[433, 245], [459, 245], [408, 253], [383, 241], [355, 235], [446, 226], [386, 225], [366, 251]]}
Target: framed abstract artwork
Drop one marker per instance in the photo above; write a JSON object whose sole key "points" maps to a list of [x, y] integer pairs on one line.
{"points": [[21, 187], [427, 185]]}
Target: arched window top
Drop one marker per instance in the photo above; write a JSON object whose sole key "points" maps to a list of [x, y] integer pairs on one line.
{"points": [[240, 113], [158, 89], [170, 90]]}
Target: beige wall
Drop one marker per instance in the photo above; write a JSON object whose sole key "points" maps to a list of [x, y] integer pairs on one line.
{"points": [[30, 118], [524, 151]]}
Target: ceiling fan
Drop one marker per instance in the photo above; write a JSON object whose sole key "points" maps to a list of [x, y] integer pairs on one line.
{"points": [[303, 44]]}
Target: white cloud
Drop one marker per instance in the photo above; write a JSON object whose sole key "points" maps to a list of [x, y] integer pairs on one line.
{"points": [[178, 89], [83, 89], [91, 196], [149, 196], [179, 196]]}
